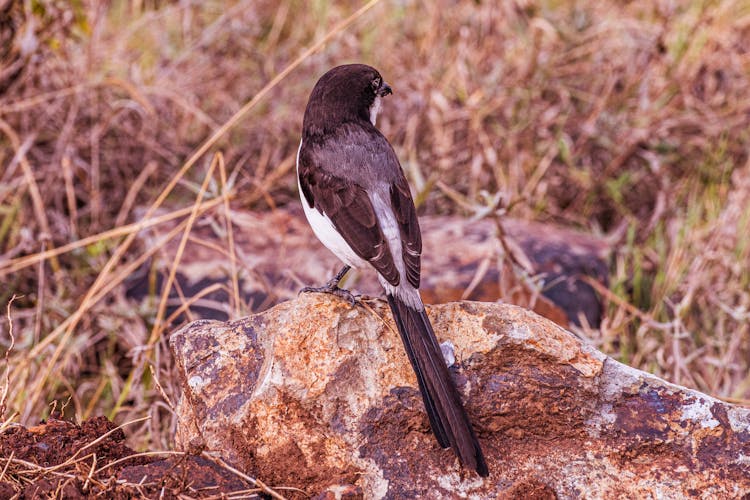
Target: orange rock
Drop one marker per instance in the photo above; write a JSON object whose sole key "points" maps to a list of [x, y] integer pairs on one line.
{"points": [[317, 394]]}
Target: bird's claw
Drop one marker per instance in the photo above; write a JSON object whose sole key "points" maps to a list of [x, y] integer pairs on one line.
{"points": [[333, 289]]}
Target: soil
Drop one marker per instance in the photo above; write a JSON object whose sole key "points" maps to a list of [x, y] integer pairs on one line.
{"points": [[62, 459]]}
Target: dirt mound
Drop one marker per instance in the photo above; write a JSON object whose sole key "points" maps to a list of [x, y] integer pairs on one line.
{"points": [[61, 459]]}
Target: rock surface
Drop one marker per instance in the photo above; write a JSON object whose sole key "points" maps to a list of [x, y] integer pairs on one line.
{"points": [[319, 395]]}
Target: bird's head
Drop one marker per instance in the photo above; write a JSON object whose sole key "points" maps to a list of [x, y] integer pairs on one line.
{"points": [[345, 93]]}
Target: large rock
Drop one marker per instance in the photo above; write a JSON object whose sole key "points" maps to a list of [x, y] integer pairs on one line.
{"points": [[319, 395]]}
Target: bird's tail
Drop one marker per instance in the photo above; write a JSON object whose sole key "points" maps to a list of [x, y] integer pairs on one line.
{"points": [[448, 418]]}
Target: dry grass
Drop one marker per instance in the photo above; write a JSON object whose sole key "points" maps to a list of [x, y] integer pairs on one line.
{"points": [[626, 119]]}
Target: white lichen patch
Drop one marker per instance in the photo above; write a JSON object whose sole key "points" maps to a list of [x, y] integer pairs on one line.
{"points": [[196, 382], [599, 421], [699, 411], [449, 352], [372, 479], [519, 332], [739, 419], [461, 487]]}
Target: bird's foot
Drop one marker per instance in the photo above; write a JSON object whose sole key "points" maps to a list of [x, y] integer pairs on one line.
{"points": [[333, 289]]}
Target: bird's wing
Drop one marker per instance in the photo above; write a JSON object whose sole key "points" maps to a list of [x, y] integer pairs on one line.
{"points": [[332, 178], [349, 208], [411, 238]]}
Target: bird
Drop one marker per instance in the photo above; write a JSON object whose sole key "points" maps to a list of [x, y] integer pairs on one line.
{"points": [[358, 202]]}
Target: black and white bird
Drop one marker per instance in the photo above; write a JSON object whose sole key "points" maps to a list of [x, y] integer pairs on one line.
{"points": [[358, 202]]}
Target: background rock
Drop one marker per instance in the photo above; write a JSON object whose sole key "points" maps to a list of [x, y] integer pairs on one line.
{"points": [[319, 395], [539, 266]]}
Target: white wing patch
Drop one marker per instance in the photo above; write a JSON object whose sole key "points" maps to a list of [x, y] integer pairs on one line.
{"points": [[381, 203]]}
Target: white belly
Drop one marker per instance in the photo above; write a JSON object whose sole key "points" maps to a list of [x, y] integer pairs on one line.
{"points": [[324, 230]]}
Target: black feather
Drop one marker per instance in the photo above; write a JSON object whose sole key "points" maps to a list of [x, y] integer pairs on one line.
{"points": [[448, 418], [343, 161]]}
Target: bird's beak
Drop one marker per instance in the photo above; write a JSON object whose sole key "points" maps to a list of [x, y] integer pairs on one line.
{"points": [[384, 90]]}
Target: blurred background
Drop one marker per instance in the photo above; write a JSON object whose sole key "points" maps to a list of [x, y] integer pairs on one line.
{"points": [[625, 120]]}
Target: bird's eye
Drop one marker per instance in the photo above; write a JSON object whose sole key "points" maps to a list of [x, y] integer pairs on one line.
{"points": [[376, 83]]}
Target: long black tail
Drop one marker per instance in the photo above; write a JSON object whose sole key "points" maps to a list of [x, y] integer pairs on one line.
{"points": [[448, 418]]}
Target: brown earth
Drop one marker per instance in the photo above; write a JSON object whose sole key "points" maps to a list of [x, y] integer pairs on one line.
{"points": [[62, 459]]}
